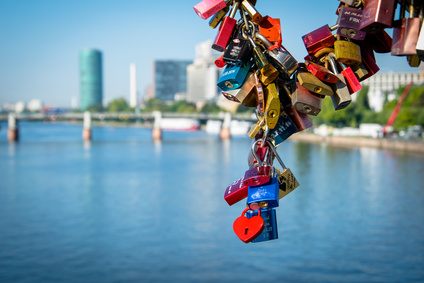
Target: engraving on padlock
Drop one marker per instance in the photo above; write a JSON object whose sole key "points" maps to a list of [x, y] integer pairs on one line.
{"points": [[352, 81], [272, 108], [235, 192], [233, 76], [225, 30], [377, 15], [347, 52], [341, 98], [264, 196], [286, 179], [306, 102], [405, 34], [271, 29], [318, 39], [349, 22], [283, 130], [207, 8], [322, 73], [301, 120], [247, 229], [270, 231]]}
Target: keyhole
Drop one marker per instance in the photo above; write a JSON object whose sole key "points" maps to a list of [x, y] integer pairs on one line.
{"points": [[245, 231]]}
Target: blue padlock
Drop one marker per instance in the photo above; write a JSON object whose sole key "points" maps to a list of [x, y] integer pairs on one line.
{"points": [[233, 76], [270, 231], [264, 196]]}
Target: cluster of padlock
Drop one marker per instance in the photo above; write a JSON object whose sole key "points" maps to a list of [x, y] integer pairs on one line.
{"points": [[259, 72]]}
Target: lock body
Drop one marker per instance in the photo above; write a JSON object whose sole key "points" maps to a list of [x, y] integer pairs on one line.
{"points": [[272, 108], [405, 36], [233, 76], [287, 182], [270, 231], [377, 15], [347, 52], [350, 20], [271, 29], [352, 81], [238, 52], [243, 93], [322, 73], [258, 175], [264, 196], [283, 130], [420, 44], [235, 192], [306, 102], [318, 39], [313, 84], [207, 8], [301, 120]]}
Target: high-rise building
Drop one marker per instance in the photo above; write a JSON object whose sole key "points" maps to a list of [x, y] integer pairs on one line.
{"points": [[203, 74], [169, 78], [133, 86], [91, 80]]}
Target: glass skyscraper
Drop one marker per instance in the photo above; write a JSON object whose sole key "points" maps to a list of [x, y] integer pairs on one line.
{"points": [[170, 77], [91, 79]]}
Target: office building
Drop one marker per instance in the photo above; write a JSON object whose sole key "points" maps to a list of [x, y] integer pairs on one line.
{"points": [[203, 75], [385, 84], [91, 81], [169, 78]]}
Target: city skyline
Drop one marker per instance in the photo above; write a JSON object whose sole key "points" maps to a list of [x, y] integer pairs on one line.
{"points": [[41, 41]]}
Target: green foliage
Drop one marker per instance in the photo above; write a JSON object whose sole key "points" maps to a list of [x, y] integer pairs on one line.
{"points": [[155, 104], [182, 107], [210, 107], [118, 105]]}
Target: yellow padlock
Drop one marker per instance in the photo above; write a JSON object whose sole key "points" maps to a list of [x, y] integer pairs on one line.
{"points": [[272, 108]]}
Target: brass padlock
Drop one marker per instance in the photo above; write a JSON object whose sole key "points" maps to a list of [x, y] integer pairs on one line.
{"points": [[286, 179], [312, 83], [272, 108], [347, 52]]}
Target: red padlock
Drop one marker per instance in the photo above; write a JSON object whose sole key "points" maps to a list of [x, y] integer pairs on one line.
{"points": [[352, 81], [225, 30], [271, 29], [235, 192], [248, 229]]}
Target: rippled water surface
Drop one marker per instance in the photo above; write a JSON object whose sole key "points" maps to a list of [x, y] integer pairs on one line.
{"points": [[124, 209]]}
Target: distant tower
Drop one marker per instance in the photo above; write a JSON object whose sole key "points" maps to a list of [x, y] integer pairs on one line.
{"points": [[133, 86], [91, 78]]}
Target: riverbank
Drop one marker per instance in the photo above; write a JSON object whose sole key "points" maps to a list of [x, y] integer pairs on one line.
{"points": [[406, 146]]}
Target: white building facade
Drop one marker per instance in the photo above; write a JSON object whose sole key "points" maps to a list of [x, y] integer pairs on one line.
{"points": [[387, 83]]}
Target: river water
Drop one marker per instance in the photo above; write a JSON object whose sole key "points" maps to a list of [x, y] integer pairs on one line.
{"points": [[124, 209]]}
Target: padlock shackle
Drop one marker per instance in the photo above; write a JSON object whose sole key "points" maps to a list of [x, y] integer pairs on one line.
{"points": [[255, 155], [276, 155], [331, 58], [247, 209]]}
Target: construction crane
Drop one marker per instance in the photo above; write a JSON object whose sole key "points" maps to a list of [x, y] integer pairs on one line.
{"points": [[395, 112]]}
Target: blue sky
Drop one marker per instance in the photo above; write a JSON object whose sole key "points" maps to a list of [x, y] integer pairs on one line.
{"points": [[40, 41]]}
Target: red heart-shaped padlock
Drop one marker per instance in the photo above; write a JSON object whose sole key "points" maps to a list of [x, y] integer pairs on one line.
{"points": [[247, 229]]}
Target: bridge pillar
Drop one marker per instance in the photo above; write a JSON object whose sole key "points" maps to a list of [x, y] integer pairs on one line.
{"points": [[13, 131], [86, 129], [225, 128], [156, 129]]}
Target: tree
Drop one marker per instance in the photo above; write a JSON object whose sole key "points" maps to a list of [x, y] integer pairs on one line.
{"points": [[118, 105]]}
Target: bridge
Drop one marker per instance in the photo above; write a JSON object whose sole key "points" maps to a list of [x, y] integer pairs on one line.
{"points": [[153, 119]]}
